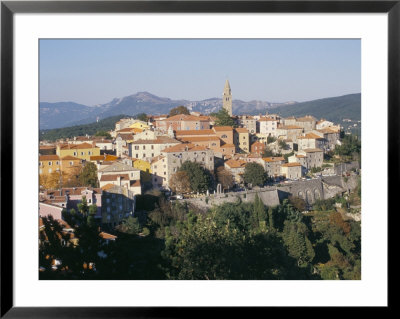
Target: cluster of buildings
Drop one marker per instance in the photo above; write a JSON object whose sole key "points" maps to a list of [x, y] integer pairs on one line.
{"points": [[145, 154]]}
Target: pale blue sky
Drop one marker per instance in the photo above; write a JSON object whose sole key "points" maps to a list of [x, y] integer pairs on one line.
{"points": [[96, 71]]}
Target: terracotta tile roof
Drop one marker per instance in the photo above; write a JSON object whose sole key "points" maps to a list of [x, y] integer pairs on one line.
{"points": [[125, 137], [184, 148], [76, 146], [227, 145], [49, 158], [157, 158], [199, 138], [291, 164], [312, 150], [135, 183], [107, 236], [223, 128], [273, 159], [311, 136], [46, 147], [185, 117], [235, 163], [289, 127], [107, 186], [126, 130], [300, 156], [96, 158], [158, 140], [328, 130], [306, 118], [194, 132], [114, 177], [266, 119], [241, 130], [70, 158]]}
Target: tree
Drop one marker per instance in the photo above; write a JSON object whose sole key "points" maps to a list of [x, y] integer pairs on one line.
{"points": [[88, 176], [179, 110], [141, 117], [200, 178], [130, 225], [103, 134], [180, 182], [225, 178], [254, 174], [271, 139], [351, 146], [298, 203], [268, 152], [83, 207], [223, 118], [283, 145]]}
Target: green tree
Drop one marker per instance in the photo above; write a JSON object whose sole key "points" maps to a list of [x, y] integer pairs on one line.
{"points": [[270, 139], [130, 225], [88, 176], [141, 117], [223, 118], [200, 178], [254, 174], [83, 207], [179, 110], [103, 134], [298, 203]]}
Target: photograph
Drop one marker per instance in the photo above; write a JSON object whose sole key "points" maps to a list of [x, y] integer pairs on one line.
{"points": [[199, 159]]}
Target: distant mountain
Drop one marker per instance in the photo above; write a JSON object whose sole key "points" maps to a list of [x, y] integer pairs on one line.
{"points": [[334, 109], [62, 114]]}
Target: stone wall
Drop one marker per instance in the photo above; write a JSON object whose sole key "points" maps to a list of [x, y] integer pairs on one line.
{"points": [[310, 190]]}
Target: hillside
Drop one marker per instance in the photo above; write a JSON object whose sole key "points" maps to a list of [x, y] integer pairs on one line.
{"points": [[334, 109], [106, 124]]}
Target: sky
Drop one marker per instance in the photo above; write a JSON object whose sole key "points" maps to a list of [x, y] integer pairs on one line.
{"points": [[92, 72]]}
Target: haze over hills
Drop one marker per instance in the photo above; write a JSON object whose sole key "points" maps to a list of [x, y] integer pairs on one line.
{"points": [[63, 114]]}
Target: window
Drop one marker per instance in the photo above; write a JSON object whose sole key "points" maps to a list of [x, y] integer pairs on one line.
{"points": [[50, 170], [75, 154], [89, 201], [50, 163], [89, 153], [40, 164], [165, 173], [40, 171], [152, 147], [152, 154], [224, 136], [57, 163], [144, 147], [136, 147], [155, 179]]}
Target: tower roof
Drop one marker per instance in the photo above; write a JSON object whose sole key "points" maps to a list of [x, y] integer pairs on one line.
{"points": [[227, 86]]}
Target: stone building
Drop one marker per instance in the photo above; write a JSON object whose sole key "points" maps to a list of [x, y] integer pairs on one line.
{"points": [[291, 170], [183, 122], [248, 122], [310, 140], [118, 203], [314, 157], [268, 126], [172, 158], [227, 98], [272, 165], [122, 175], [146, 149], [289, 132], [242, 139], [257, 148], [236, 167]]}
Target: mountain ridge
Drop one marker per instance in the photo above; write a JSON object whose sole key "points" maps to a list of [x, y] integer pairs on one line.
{"points": [[64, 114]]}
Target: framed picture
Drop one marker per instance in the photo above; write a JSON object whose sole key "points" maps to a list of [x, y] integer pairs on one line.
{"points": [[30, 28]]}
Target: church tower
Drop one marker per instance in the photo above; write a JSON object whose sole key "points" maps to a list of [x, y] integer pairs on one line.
{"points": [[227, 98]]}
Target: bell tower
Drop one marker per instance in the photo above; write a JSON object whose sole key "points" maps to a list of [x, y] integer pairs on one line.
{"points": [[227, 98]]}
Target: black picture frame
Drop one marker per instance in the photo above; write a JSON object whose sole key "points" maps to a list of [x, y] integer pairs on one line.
{"points": [[9, 8]]}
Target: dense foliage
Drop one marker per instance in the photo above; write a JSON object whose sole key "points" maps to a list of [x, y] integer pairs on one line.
{"points": [[200, 178], [254, 174], [179, 110], [223, 118], [230, 241], [88, 176]]}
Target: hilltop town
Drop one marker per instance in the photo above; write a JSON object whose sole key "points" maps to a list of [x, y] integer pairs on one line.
{"points": [[201, 160]]}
